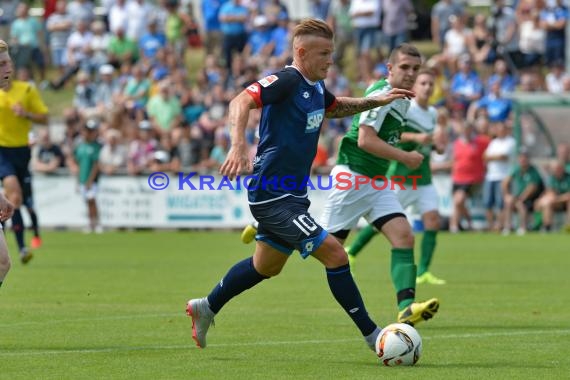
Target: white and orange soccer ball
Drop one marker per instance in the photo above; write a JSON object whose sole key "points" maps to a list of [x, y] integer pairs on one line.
{"points": [[398, 344]]}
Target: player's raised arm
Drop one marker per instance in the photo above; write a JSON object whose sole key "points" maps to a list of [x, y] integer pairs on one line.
{"points": [[237, 160], [345, 106]]}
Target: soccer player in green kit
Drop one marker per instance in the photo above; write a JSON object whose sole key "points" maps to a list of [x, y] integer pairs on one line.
{"points": [[361, 185], [418, 136]]}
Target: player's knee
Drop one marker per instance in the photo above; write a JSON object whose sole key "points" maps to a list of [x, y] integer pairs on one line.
{"points": [[403, 239], [337, 258], [268, 269]]}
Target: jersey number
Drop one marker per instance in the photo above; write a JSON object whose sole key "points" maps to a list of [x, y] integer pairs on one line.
{"points": [[305, 224]]}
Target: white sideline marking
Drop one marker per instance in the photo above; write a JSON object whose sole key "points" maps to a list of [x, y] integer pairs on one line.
{"points": [[275, 343]]}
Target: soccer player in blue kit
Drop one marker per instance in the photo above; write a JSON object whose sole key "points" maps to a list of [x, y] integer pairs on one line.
{"points": [[294, 102]]}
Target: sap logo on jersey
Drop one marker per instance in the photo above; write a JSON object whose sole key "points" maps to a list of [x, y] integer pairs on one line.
{"points": [[314, 120]]}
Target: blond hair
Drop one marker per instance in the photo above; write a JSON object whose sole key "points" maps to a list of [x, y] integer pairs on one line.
{"points": [[3, 46], [313, 27]]}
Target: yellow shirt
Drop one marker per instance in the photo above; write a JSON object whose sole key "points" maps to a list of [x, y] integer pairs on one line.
{"points": [[14, 129]]}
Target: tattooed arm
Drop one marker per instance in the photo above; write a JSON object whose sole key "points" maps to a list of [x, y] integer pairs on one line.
{"points": [[351, 106]]}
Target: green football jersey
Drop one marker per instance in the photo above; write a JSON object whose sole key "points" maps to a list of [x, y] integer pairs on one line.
{"points": [[522, 179], [560, 185], [387, 121], [418, 120]]}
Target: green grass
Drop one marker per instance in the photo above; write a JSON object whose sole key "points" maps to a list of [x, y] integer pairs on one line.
{"points": [[112, 306]]}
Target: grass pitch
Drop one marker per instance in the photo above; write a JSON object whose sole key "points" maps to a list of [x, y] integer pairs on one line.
{"points": [[112, 306]]}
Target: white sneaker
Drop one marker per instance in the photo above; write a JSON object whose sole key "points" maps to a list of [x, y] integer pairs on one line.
{"points": [[98, 229], [202, 317], [521, 231], [506, 232]]}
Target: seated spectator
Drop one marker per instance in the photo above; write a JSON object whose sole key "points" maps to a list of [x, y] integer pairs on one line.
{"points": [[520, 190], [497, 107], [188, 141], [99, 45], [122, 49], [466, 86], [218, 154], [107, 91], [258, 47], [556, 77], [455, 42], [113, 155], [166, 157], [556, 197], [480, 41], [164, 108], [136, 92], [84, 95], [47, 157], [499, 157], [141, 149], [501, 74], [563, 155], [152, 41]]}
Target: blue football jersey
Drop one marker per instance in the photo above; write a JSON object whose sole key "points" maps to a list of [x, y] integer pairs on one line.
{"points": [[293, 110]]}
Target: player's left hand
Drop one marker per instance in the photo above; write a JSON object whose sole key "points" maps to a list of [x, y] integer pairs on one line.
{"points": [[18, 110], [6, 209], [237, 162], [393, 94]]}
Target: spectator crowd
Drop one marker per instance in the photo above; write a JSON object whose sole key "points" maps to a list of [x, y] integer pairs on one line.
{"points": [[129, 69]]}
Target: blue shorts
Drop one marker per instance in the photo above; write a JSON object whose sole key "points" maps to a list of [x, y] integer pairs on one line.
{"points": [[492, 195], [16, 161], [286, 224]]}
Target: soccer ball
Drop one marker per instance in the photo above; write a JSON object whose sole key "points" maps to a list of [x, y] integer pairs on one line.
{"points": [[398, 344]]}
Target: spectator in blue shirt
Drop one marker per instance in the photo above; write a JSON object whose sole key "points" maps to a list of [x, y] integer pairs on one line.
{"points": [[152, 41], [466, 86], [553, 19], [233, 18]]}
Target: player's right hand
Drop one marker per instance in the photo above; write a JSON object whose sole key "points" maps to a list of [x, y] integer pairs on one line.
{"points": [[237, 162], [413, 159]]}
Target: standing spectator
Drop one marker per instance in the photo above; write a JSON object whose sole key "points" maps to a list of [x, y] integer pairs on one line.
{"points": [[119, 18], [76, 55], [59, 25], [141, 14], [505, 33], [86, 157], [440, 15], [7, 17], [467, 172], [532, 36], [320, 9], [233, 18], [553, 19], [212, 26], [366, 16], [25, 36], [499, 157], [81, 11], [521, 189], [395, 21], [340, 21]]}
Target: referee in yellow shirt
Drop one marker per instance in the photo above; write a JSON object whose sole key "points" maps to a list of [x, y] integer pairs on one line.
{"points": [[20, 106]]}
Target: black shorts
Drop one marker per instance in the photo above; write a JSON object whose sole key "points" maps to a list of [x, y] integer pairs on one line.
{"points": [[16, 162], [470, 188], [286, 224]]}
